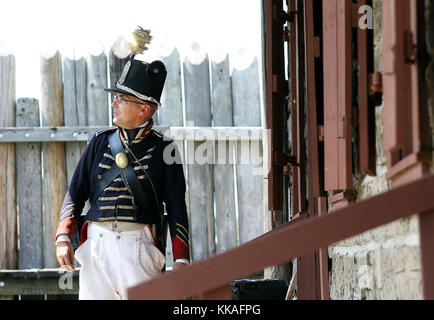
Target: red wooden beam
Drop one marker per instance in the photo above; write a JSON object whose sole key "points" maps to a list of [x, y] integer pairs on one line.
{"points": [[321, 205], [287, 242], [312, 119], [317, 281], [222, 293]]}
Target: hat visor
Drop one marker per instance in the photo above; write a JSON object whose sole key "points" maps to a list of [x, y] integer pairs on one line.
{"points": [[116, 90]]}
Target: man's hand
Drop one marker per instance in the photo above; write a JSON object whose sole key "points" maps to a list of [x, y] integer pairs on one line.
{"points": [[178, 265], [65, 255]]}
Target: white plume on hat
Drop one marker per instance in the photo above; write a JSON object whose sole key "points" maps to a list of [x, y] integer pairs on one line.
{"points": [[141, 38]]}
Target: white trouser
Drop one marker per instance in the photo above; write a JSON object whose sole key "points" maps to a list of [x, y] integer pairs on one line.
{"points": [[111, 262]]}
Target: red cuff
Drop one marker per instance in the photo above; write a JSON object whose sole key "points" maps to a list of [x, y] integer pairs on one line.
{"points": [[67, 226], [180, 249], [83, 232]]}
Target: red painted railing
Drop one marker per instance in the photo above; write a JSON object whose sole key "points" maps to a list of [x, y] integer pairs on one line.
{"points": [[206, 277]]}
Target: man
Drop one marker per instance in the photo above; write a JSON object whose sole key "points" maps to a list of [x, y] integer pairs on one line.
{"points": [[129, 174]]}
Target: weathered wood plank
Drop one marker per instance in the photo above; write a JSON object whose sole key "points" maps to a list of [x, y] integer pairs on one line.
{"points": [[118, 57], [247, 112], [73, 152], [29, 189], [49, 134], [170, 113], [224, 184], [75, 107], [75, 114], [197, 90], [54, 170], [249, 189], [8, 213], [75, 92], [97, 100], [8, 84], [200, 172], [221, 93], [85, 133], [245, 95], [39, 282]]}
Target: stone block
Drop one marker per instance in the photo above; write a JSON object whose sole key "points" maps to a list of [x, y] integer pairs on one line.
{"points": [[392, 273]]}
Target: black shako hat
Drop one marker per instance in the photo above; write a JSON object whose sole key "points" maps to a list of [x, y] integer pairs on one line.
{"points": [[142, 80]]}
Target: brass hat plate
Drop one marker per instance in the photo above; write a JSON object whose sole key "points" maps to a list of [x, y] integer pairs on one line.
{"points": [[121, 160]]}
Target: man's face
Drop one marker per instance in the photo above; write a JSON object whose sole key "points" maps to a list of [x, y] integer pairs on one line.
{"points": [[129, 114]]}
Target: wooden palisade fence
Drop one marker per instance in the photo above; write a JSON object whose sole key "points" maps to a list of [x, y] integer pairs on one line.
{"points": [[41, 143]]}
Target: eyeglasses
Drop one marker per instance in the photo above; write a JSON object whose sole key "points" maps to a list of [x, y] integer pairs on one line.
{"points": [[120, 99]]}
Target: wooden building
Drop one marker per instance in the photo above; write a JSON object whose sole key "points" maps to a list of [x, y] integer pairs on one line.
{"points": [[349, 104]]}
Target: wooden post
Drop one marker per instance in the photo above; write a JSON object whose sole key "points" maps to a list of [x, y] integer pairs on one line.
{"points": [[97, 101], [29, 188], [247, 112], [54, 181], [200, 175], [118, 57], [8, 209], [75, 107], [170, 112], [226, 220], [32, 284], [75, 114], [245, 95]]}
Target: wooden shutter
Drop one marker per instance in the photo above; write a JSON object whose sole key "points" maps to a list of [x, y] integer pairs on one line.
{"points": [[337, 94], [406, 133], [406, 130]]}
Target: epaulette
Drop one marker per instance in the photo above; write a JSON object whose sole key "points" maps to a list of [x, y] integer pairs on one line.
{"points": [[105, 130]]}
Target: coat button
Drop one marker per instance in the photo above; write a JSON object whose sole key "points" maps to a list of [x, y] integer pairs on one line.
{"points": [[118, 237], [99, 177]]}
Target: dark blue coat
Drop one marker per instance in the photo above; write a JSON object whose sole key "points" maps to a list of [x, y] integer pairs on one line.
{"points": [[159, 156]]}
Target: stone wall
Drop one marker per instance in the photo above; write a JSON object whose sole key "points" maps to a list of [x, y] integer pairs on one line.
{"points": [[383, 263]]}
